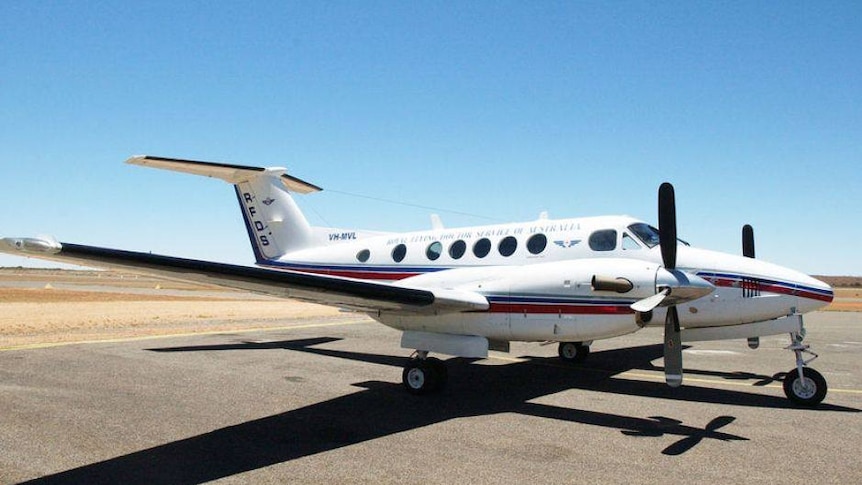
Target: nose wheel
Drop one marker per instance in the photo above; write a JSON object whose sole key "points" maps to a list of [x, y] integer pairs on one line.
{"points": [[806, 389], [804, 385]]}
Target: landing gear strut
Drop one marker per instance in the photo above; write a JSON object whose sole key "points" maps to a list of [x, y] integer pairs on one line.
{"points": [[573, 352], [423, 374], [803, 385]]}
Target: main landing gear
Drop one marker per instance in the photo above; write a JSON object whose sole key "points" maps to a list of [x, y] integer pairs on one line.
{"points": [[574, 352], [423, 374], [803, 385]]}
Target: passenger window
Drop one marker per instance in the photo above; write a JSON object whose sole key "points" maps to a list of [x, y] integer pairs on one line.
{"points": [[604, 240], [482, 247], [398, 253], [457, 249], [362, 256], [629, 242], [434, 250], [537, 243], [508, 246]]}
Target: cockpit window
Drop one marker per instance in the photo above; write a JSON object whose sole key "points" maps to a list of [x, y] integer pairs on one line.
{"points": [[629, 242], [646, 233], [604, 240]]}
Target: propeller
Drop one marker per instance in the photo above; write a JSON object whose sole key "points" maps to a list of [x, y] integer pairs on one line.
{"points": [[748, 252], [748, 241], [673, 286], [667, 242]]}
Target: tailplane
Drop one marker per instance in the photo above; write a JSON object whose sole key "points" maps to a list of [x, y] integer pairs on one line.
{"points": [[275, 224]]}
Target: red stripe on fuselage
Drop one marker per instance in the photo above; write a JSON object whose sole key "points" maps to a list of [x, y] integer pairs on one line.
{"points": [[781, 290], [560, 309]]}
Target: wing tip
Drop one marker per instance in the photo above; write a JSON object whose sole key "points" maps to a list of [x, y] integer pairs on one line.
{"points": [[30, 245]]}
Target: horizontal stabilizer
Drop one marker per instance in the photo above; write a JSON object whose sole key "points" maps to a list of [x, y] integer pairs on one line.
{"points": [[233, 174]]}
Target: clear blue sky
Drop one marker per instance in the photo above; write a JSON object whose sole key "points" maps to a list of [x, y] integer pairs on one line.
{"points": [[501, 109]]}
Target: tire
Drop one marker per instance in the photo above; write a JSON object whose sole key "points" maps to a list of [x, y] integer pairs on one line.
{"points": [[419, 377], [809, 391], [573, 352]]}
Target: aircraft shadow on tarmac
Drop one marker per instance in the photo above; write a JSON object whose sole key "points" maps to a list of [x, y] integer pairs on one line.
{"points": [[384, 409]]}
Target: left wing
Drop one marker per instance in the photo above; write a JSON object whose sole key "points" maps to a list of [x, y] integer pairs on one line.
{"points": [[327, 290]]}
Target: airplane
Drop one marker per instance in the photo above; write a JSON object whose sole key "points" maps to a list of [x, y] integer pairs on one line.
{"points": [[466, 291]]}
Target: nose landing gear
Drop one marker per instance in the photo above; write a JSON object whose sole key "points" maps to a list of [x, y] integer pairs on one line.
{"points": [[803, 385]]}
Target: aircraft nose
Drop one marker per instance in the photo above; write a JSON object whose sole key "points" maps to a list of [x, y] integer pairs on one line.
{"points": [[820, 292], [812, 294]]}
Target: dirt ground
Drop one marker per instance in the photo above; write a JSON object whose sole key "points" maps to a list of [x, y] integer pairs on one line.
{"points": [[44, 307], [39, 307], [846, 300]]}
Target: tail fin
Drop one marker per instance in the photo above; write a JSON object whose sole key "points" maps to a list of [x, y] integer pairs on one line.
{"points": [[275, 224]]}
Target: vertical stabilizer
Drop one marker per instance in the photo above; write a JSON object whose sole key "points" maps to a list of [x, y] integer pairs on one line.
{"points": [[275, 224]]}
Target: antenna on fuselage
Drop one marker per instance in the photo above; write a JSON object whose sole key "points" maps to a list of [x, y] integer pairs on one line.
{"points": [[436, 222]]}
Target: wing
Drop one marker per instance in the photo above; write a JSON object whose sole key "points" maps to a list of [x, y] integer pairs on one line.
{"points": [[327, 290]]}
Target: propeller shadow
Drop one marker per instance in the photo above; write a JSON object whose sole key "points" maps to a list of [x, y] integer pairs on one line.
{"points": [[382, 409]]}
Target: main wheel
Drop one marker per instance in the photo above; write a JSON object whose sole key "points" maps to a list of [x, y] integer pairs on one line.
{"points": [[574, 352], [808, 390], [420, 377]]}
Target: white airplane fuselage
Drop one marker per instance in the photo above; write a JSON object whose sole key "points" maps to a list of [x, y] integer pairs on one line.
{"points": [[537, 277]]}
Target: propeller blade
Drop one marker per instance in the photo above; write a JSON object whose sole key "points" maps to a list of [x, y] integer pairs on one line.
{"points": [[672, 349], [748, 241], [650, 302], [668, 243], [667, 225]]}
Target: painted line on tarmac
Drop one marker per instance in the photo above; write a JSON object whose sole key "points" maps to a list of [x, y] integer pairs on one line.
{"points": [[634, 375], [48, 345], [660, 378]]}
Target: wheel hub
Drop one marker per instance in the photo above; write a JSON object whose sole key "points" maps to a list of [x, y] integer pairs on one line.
{"points": [[804, 387], [416, 378]]}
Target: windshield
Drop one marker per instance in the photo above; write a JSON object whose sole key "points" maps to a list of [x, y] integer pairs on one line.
{"points": [[648, 234]]}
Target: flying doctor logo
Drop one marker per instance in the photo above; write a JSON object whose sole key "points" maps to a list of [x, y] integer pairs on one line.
{"points": [[268, 201], [567, 244]]}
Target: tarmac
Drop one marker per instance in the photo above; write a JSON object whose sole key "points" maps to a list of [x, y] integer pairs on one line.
{"points": [[322, 402]]}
